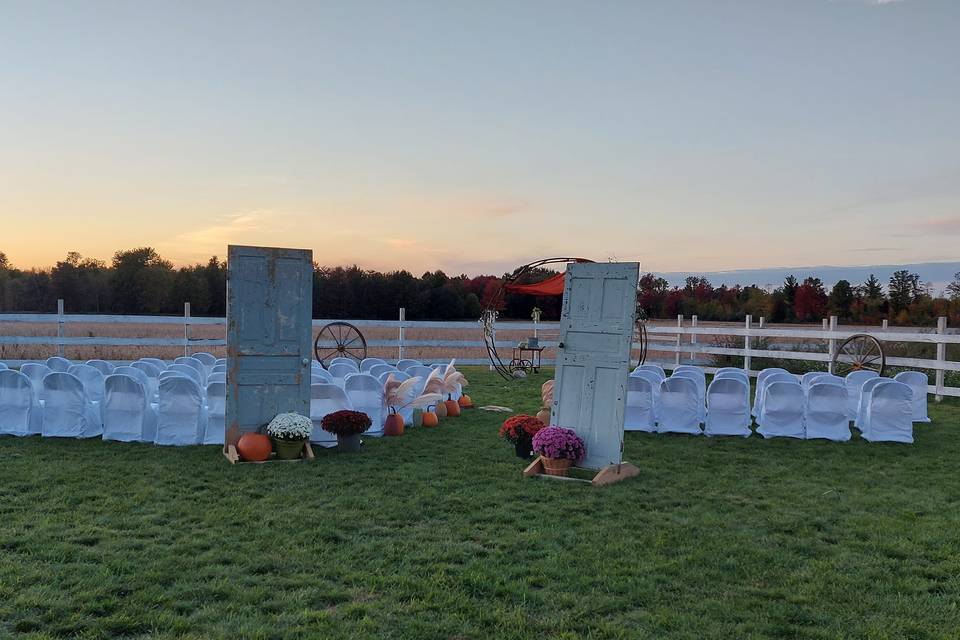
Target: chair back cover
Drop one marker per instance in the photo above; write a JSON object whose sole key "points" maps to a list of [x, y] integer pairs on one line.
{"points": [[689, 367], [190, 361], [728, 407], [347, 361], [397, 375], [222, 368], [58, 364], [340, 370], [127, 414], [208, 359], [377, 369], [736, 370], [366, 394], [91, 378], [679, 410], [367, 363], [186, 370], [321, 375], [781, 413], [853, 382], [890, 413], [3, 366], [639, 414], [918, 383], [861, 421], [809, 377], [181, 417], [102, 366], [829, 378], [150, 385], [157, 362], [775, 376], [325, 399], [758, 395], [17, 405], [216, 412], [149, 369], [826, 413], [698, 379], [36, 372], [406, 363], [216, 376], [67, 411], [655, 368]]}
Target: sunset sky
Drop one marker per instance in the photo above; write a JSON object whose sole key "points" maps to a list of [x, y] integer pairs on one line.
{"points": [[475, 136]]}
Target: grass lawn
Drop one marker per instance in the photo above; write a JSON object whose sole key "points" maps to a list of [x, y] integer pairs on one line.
{"points": [[436, 535]]}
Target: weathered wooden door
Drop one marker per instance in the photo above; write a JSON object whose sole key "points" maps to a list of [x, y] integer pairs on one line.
{"points": [[593, 361], [269, 312]]}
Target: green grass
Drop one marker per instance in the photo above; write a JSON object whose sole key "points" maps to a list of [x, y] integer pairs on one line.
{"points": [[436, 535]]}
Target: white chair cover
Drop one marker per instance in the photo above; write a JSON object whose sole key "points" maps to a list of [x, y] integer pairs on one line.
{"points": [[157, 362], [208, 359], [639, 414], [340, 370], [367, 363], [58, 364], [324, 399], [735, 374], [216, 376], [829, 378], [216, 413], [150, 385], [222, 368], [127, 413], [19, 413], [406, 363], [366, 394], [826, 413], [781, 413], [181, 416], [347, 361], [378, 369], [655, 368], [728, 408], [701, 382], [853, 383], [92, 380], [689, 367], [36, 372], [190, 361], [152, 372], [735, 370], [321, 376], [758, 393], [776, 376], [397, 375], [861, 420], [654, 379], [679, 406], [186, 370], [890, 413], [809, 377], [3, 366], [102, 366], [223, 361], [67, 411], [918, 384]]}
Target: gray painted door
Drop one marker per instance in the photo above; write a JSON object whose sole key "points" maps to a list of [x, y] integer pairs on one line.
{"points": [[596, 332], [269, 312]]}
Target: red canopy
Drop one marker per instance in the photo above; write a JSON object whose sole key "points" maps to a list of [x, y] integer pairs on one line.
{"points": [[552, 286]]}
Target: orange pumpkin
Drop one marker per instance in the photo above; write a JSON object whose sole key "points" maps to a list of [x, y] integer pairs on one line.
{"points": [[254, 447], [430, 419], [453, 408], [465, 402], [393, 425]]}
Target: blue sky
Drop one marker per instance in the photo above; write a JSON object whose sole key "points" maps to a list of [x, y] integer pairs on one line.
{"points": [[472, 137]]}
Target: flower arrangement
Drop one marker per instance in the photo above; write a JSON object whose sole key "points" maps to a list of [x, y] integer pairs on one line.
{"points": [[559, 443], [290, 427], [346, 422], [520, 427]]}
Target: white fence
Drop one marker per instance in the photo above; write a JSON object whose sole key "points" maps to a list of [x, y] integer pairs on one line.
{"points": [[668, 344]]}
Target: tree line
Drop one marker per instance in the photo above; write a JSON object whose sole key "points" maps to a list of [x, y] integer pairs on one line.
{"points": [[140, 281]]}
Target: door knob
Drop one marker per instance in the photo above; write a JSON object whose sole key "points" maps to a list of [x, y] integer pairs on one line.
{"points": [[305, 361], [560, 346]]}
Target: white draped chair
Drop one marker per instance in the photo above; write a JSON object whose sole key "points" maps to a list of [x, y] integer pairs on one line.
{"points": [[917, 382], [776, 376], [186, 370], [367, 363], [36, 372], [192, 362], [862, 420], [366, 394], [722, 371], [889, 415], [216, 413], [102, 366], [58, 364], [640, 414], [128, 415], [347, 361], [325, 399], [208, 359], [157, 362], [67, 411], [405, 363], [728, 408], [809, 377], [853, 383], [150, 385], [781, 412], [321, 376], [655, 368], [340, 370], [758, 392], [679, 406], [222, 368], [216, 376], [730, 373], [826, 412], [378, 369], [181, 416], [92, 380], [701, 381], [3, 366], [19, 412]]}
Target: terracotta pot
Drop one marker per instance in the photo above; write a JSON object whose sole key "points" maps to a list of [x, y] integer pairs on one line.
{"points": [[453, 408], [393, 425], [556, 466]]}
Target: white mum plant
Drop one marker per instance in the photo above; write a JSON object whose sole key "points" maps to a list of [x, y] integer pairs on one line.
{"points": [[290, 426]]}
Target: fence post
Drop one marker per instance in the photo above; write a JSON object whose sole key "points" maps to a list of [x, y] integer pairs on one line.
{"points": [[186, 328], [763, 322], [832, 344], [886, 324], [403, 317], [746, 344], [60, 327], [941, 357], [676, 358], [693, 338]]}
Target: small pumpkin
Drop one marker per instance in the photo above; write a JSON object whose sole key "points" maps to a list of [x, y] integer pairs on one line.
{"points": [[254, 447], [393, 426], [430, 419], [441, 410], [465, 402], [453, 408]]}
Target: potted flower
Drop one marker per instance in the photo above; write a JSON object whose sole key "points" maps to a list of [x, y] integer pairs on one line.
{"points": [[289, 431], [347, 425], [399, 396], [519, 430], [558, 448]]}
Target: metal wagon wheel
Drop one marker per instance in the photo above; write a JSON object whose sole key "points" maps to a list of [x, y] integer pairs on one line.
{"points": [[859, 352], [339, 340], [640, 335]]}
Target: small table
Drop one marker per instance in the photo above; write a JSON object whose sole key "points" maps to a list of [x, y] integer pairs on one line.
{"points": [[528, 365]]}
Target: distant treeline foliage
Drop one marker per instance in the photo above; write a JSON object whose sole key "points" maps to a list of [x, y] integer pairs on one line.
{"points": [[140, 281]]}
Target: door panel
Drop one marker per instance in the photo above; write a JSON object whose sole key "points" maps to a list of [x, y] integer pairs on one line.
{"points": [[269, 310], [596, 331]]}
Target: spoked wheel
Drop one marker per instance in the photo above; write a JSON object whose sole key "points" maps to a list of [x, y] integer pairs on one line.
{"points": [[339, 340], [859, 353], [640, 335]]}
